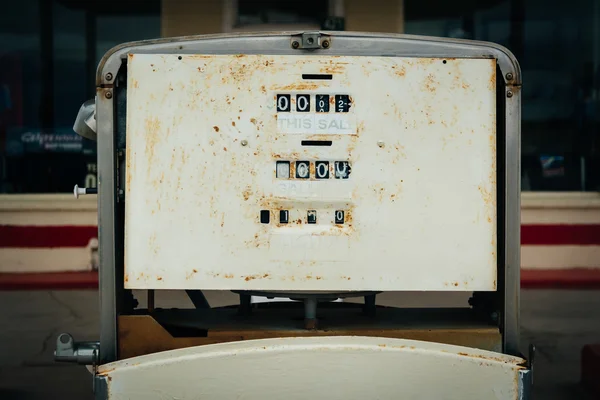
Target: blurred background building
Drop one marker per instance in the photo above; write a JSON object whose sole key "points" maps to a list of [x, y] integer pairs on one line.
{"points": [[49, 50]]}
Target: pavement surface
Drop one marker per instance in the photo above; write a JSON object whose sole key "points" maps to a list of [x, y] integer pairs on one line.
{"points": [[558, 322]]}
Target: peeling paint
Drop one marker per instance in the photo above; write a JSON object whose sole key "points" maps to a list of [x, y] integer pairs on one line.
{"points": [[214, 157]]}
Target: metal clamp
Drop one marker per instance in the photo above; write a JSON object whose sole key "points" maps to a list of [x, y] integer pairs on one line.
{"points": [[311, 40], [67, 350]]}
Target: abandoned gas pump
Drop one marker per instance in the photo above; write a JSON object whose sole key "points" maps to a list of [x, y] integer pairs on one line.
{"points": [[311, 166]]}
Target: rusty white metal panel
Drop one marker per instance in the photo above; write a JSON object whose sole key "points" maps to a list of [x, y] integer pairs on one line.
{"points": [[326, 367], [203, 137]]}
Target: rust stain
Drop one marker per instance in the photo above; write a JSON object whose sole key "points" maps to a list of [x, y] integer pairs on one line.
{"points": [[360, 127], [297, 86], [431, 83], [152, 136], [425, 61], [135, 84], [263, 89], [126, 279], [216, 128], [195, 271], [336, 68], [256, 276], [159, 278], [492, 80], [129, 167], [247, 193], [489, 358], [399, 153], [232, 123], [399, 71], [225, 148], [488, 199]]}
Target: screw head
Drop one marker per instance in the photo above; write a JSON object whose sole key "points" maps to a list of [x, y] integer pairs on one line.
{"points": [[509, 76], [494, 316], [295, 44], [108, 95], [109, 76], [244, 142], [380, 143], [509, 94], [325, 44]]}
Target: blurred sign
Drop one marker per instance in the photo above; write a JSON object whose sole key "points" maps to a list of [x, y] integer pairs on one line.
{"points": [[552, 166], [333, 24], [23, 141]]}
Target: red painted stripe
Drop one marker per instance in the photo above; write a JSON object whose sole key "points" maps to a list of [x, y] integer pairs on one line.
{"points": [[49, 281], [576, 278], [556, 235], [16, 236]]}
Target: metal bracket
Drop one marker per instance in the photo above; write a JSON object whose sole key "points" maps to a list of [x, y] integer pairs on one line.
{"points": [[525, 384], [100, 387], [67, 350], [311, 41]]}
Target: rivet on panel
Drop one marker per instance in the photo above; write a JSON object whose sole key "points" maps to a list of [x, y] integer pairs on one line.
{"points": [[509, 76], [509, 94], [244, 142], [108, 95], [295, 44], [109, 76]]}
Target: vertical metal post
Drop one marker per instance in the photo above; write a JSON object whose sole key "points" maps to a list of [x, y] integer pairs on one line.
{"points": [[245, 304], [512, 232], [151, 300], [310, 313], [106, 224], [370, 307]]}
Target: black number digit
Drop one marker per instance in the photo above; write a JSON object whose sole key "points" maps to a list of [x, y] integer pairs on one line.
{"points": [[311, 217], [302, 169], [302, 102], [322, 169], [322, 103], [342, 103], [339, 217], [342, 169], [283, 103]]}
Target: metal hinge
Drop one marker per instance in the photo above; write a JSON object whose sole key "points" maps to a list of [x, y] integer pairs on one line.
{"points": [[67, 350], [310, 41]]}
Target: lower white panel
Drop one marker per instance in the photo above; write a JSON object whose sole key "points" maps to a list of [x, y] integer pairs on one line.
{"points": [[345, 368]]}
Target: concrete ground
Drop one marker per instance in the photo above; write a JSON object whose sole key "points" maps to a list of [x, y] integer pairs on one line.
{"points": [[559, 322]]}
